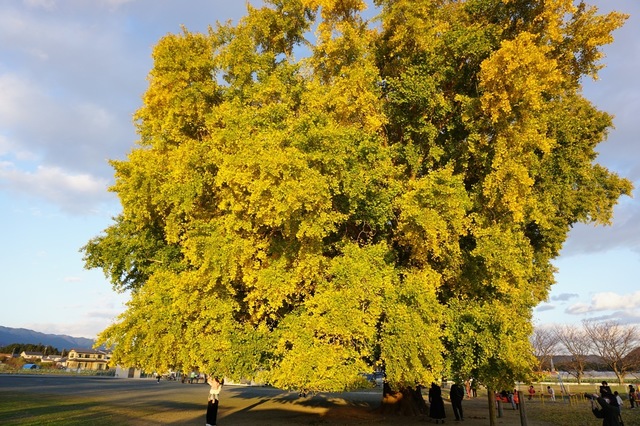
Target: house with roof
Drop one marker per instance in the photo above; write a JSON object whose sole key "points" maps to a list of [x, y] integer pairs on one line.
{"points": [[87, 359], [52, 358], [31, 356], [53, 361]]}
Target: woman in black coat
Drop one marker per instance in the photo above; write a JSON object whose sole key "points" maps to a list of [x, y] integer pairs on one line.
{"points": [[436, 404], [456, 395], [608, 411]]}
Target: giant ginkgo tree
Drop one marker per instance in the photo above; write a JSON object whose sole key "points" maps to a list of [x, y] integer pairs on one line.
{"points": [[314, 195]]}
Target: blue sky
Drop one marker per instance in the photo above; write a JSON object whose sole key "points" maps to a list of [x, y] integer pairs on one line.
{"points": [[72, 72]]}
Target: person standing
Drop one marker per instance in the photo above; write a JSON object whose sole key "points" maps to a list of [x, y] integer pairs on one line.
{"points": [[532, 392], [515, 399], [436, 403], [467, 386], [608, 411], [213, 400], [605, 389], [632, 396], [552, 393], [619, 401], [456, 395]]}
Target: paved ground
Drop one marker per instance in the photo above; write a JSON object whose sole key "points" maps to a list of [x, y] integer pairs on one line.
{"points": [[175, 403]]}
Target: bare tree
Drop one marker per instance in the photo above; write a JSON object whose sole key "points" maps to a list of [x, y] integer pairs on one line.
{"points": [[577, 344], [634, 357], [545, 343], [614, 343]]}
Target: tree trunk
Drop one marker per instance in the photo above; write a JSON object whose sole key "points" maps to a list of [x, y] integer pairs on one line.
{"points": [[405, 402], [619, 375], [523, 409], [492, 406]]}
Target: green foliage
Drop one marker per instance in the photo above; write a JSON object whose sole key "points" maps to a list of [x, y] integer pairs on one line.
{"points": [[392, 200], [15, 363], [18, 348]]}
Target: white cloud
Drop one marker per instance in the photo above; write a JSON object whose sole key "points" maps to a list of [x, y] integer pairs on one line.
{"points": [[18, 96], [51, 4], [76, 134], [620, 317], [82, 320], [41, 4], [85, 328], [578, 308], [564, 297], [108, 315], [545, 307], [8, 148], [611, 301], [623, 233], [116, 3], [607, 301], [74, 193], [70, 85]]}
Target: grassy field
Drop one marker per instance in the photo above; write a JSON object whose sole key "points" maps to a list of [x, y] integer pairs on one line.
{"points": [[28, 409], [574, 411], [148, 403]]}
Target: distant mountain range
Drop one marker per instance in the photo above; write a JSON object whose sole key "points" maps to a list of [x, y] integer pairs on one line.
{"points": [[59, 341]]}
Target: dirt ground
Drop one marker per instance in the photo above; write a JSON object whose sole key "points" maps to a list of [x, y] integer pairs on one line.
{"points": [[142, 402], [240, 406], [359, 409]]}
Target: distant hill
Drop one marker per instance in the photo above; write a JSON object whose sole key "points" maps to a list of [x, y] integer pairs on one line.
{"points": [[60, 341]]}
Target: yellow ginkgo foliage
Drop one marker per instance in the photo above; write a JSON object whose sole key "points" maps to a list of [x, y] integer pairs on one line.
{"points": [[315, 196]]}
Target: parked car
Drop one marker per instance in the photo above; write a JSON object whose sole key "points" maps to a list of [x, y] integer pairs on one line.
{"points": [[376, 379]]}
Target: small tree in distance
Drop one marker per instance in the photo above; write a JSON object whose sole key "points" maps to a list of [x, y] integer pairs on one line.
{"points": [[545, 344], [578, 345], [615, 344]]}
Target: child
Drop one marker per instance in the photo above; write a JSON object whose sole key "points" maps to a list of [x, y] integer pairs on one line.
{"points": [[619, 400], [532, 392]]}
